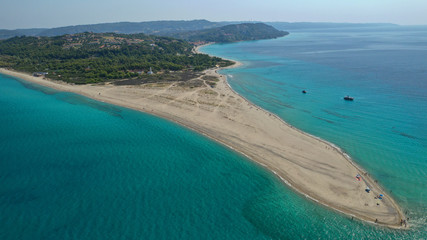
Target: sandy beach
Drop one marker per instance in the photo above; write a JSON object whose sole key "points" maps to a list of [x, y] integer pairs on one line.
{"points": [[313, 167]]}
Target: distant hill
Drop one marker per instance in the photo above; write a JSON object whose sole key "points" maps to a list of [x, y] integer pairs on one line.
{"points": [[152, 28], [168, 28], [160, 28], [232, 33], [4, 34]]}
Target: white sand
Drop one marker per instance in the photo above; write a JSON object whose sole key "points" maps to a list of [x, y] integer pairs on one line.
{"points": [[309, 165]]}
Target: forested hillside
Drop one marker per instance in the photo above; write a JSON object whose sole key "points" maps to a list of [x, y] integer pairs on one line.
{"points": [[97, 57], [233, 33], [160, 28]]}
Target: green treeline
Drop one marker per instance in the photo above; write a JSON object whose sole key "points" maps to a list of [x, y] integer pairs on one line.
{"points": [[98, 57]]}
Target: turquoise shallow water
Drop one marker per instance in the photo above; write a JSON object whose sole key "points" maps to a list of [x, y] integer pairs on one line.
{"points": [[74, 168], [384, 129]]}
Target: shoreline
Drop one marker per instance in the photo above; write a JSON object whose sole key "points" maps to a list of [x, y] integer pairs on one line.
{"points": [[282, 159], [335, 147]]}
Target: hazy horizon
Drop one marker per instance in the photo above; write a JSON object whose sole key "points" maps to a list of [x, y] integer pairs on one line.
{"points": [[48, 14]]}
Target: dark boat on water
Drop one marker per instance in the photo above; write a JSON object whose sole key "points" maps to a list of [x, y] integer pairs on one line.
{"points": [[303, 91], [348, 98]]}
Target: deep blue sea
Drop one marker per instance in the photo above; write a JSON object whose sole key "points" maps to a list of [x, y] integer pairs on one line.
{"points": [[75, 168]]}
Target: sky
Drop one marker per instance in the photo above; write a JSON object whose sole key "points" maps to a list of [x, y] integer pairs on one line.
{"points": [[56, 13]]}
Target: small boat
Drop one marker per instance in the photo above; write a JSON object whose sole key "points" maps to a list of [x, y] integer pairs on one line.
{"points": [[348, 98], [303, 91]]}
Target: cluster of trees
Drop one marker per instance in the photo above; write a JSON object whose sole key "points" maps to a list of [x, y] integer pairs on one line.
{"points": [[91, 57]]}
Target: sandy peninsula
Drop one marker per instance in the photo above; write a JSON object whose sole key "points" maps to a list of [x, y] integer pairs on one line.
{"points": [[313, 167]]}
